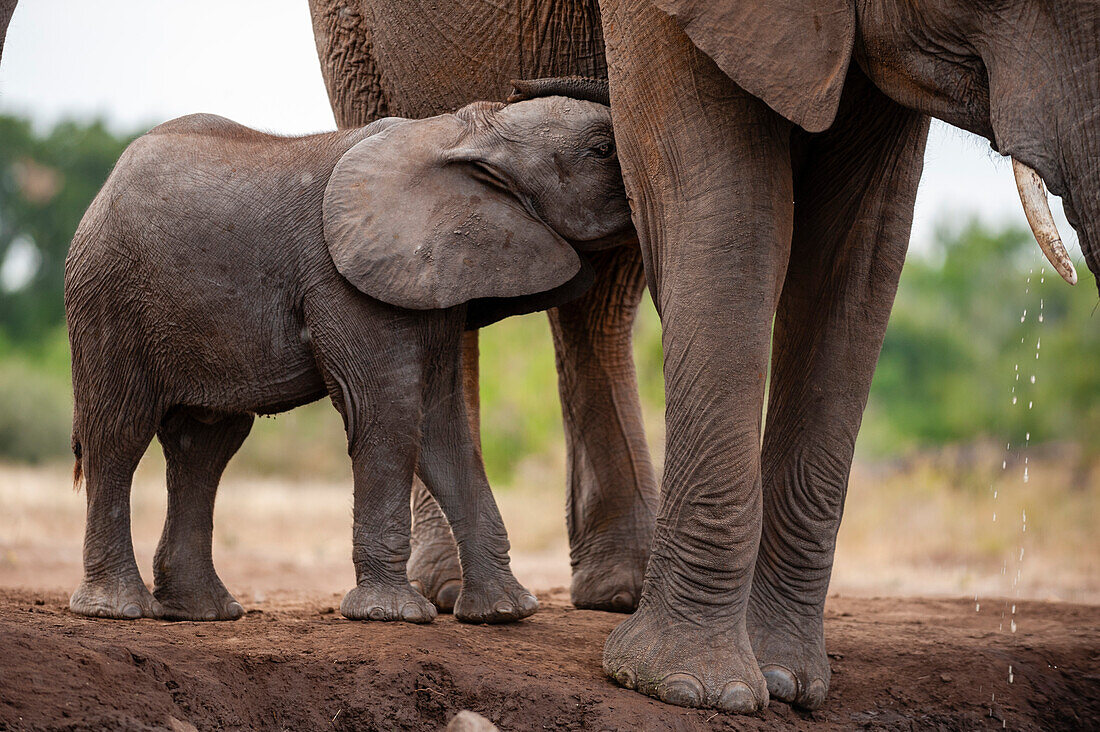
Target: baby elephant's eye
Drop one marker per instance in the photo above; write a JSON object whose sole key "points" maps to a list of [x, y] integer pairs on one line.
{"points": [[604, 149]]}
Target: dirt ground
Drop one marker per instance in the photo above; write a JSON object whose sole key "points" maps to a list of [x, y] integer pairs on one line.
{"points": [[295, 663]]}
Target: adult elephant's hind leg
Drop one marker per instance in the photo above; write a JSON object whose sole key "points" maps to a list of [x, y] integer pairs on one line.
{"points": [[612, 491], [855, 190], [707, 170], [183, 569]]}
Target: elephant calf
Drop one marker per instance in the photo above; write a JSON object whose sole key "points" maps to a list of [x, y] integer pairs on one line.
{"points": [[223, 273]]}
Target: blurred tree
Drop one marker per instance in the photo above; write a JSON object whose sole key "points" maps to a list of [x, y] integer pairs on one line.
{"points": [[960, 352], [46, 182]]}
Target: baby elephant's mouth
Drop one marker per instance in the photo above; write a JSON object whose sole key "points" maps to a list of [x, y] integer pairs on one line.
{"points": [[626, 236]]}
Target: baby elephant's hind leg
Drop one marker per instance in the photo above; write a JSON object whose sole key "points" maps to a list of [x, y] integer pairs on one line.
{"points": [[451, 467], [196, 452], [112, 441]]}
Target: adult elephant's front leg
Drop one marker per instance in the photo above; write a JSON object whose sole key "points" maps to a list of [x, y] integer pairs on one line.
{"points": [[612, 489], [855, 190], [707, 169]]}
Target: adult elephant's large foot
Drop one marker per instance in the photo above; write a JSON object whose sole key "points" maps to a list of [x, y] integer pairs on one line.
{"points": [[204, 598], [791, 650], [684, 663], [611, 581], [383, 602], [434, 570], [124, 597], [501, 600], [433, 567]]}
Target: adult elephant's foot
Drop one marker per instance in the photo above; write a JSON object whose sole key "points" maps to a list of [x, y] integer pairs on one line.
{"points": [[434, 570], [499, 600], [611, 581], [433, 567], [684, 663], [199, 598], [791, 650], [374, 602], [123, 596]]}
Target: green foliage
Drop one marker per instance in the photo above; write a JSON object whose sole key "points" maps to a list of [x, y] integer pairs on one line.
{"points": [[956, 352], [46, 182], [35, 405]]}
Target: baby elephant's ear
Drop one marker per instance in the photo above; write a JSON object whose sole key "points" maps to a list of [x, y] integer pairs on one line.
{"points": [[408, 227]]}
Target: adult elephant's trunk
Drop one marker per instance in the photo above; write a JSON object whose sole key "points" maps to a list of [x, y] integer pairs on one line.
{"points": [[1033, 195], [575, 87]]}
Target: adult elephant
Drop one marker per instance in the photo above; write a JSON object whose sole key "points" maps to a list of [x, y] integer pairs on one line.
{"points": [[7, 7], [771, 151], [415, 59]]}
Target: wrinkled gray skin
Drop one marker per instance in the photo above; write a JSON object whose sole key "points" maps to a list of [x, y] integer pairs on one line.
{"points": [[201, 290], [7, 8], [771, 152]]}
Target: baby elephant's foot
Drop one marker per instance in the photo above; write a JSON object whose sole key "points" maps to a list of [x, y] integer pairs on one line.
{"points": [[125, 597], [375, 602], [497, 601], [206, 599]]}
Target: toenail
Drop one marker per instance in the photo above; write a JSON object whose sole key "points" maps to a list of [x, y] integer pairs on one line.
{"points": [[683, 690], [376, 613], [133, 610], [782, 684], [504, 608], [737, 697], [622, 601], [235, 610], [625, 677], [529, 603], [448, 594], [814, 696], [410, 612]]}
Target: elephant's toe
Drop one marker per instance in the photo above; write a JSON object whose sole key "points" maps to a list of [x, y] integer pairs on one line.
{"points": [[683, 690]]}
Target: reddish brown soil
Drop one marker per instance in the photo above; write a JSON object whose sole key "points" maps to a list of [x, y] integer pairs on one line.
{"points": [[296, 664]]}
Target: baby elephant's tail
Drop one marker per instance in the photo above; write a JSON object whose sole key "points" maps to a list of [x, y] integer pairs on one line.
{"points": [[78, 467]]}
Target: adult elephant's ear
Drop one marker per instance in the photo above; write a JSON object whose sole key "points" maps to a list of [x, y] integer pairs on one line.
{"points": [[413, 218], [792, 54]]}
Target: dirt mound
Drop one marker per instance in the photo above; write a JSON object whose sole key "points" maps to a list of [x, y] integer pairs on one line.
{"points": [[294, 663]]}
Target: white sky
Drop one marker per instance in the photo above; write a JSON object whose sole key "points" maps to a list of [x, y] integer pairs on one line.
{"points": [[137, 63]]}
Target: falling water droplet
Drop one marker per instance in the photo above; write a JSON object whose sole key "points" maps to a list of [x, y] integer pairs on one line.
{"points": [[1026, 479], [1040, 317], [1013, 400], [1012, 626], [1033, 378], [1027, 437], [1030, 404], [1010, 677]]}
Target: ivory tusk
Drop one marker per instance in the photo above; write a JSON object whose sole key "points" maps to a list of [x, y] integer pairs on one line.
{"points": [[1033, 196]]}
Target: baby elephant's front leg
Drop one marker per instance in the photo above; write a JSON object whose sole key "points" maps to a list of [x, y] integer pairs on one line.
{"points": [[383, 452], [451, 467]]}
